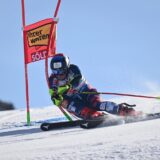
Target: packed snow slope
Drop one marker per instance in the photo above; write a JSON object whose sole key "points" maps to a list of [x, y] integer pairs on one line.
{"points": [[134, 141]]}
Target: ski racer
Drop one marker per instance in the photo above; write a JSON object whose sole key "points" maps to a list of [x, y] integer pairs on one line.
{"points": [[70, 90]]}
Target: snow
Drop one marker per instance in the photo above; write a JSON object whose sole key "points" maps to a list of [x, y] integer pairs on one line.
{"points": [[134, 141]]}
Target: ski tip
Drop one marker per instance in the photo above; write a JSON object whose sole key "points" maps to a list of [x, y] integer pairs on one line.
{"points": [[58, 125]]}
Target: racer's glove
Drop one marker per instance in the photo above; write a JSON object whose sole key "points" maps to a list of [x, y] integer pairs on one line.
{"points": [[58, 90], [56, 94], [53, 91], [57, 100]]}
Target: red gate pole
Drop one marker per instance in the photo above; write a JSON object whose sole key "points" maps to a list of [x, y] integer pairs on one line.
{"points": [[46, 60], [25, 65], [57, 8]]}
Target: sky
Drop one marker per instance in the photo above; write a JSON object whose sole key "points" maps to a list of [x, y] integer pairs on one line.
{"points": [[115, 44]]}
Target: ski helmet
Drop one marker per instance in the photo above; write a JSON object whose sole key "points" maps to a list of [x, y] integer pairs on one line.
{"points": [[59, 64]]}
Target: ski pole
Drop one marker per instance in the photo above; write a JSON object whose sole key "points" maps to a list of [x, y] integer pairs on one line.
{"points": [[123, 94], [65, 114]]}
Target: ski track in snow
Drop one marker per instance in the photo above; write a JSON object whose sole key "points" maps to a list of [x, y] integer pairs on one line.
{"points": [[134, 141]]}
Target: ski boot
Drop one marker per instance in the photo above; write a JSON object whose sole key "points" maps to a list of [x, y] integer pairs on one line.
{"points": [[92, 118], [128, 110]]}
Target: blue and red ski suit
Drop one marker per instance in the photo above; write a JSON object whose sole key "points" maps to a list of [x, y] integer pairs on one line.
{"points": [[79, 104]]}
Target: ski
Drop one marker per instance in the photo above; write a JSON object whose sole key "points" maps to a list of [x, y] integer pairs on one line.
{"points": [[46, 126], [143, 117], [94, 122], [101, 121], [110, 120], [88, 123]]}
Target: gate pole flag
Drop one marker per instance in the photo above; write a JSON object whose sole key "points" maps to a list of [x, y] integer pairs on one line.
{"points": [[39, 43]]}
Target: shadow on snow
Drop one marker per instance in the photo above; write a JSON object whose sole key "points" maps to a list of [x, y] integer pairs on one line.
{"points": [[20, 132]]}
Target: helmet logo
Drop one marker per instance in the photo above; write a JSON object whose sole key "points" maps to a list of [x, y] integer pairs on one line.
{"points": [[57, 65]]}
